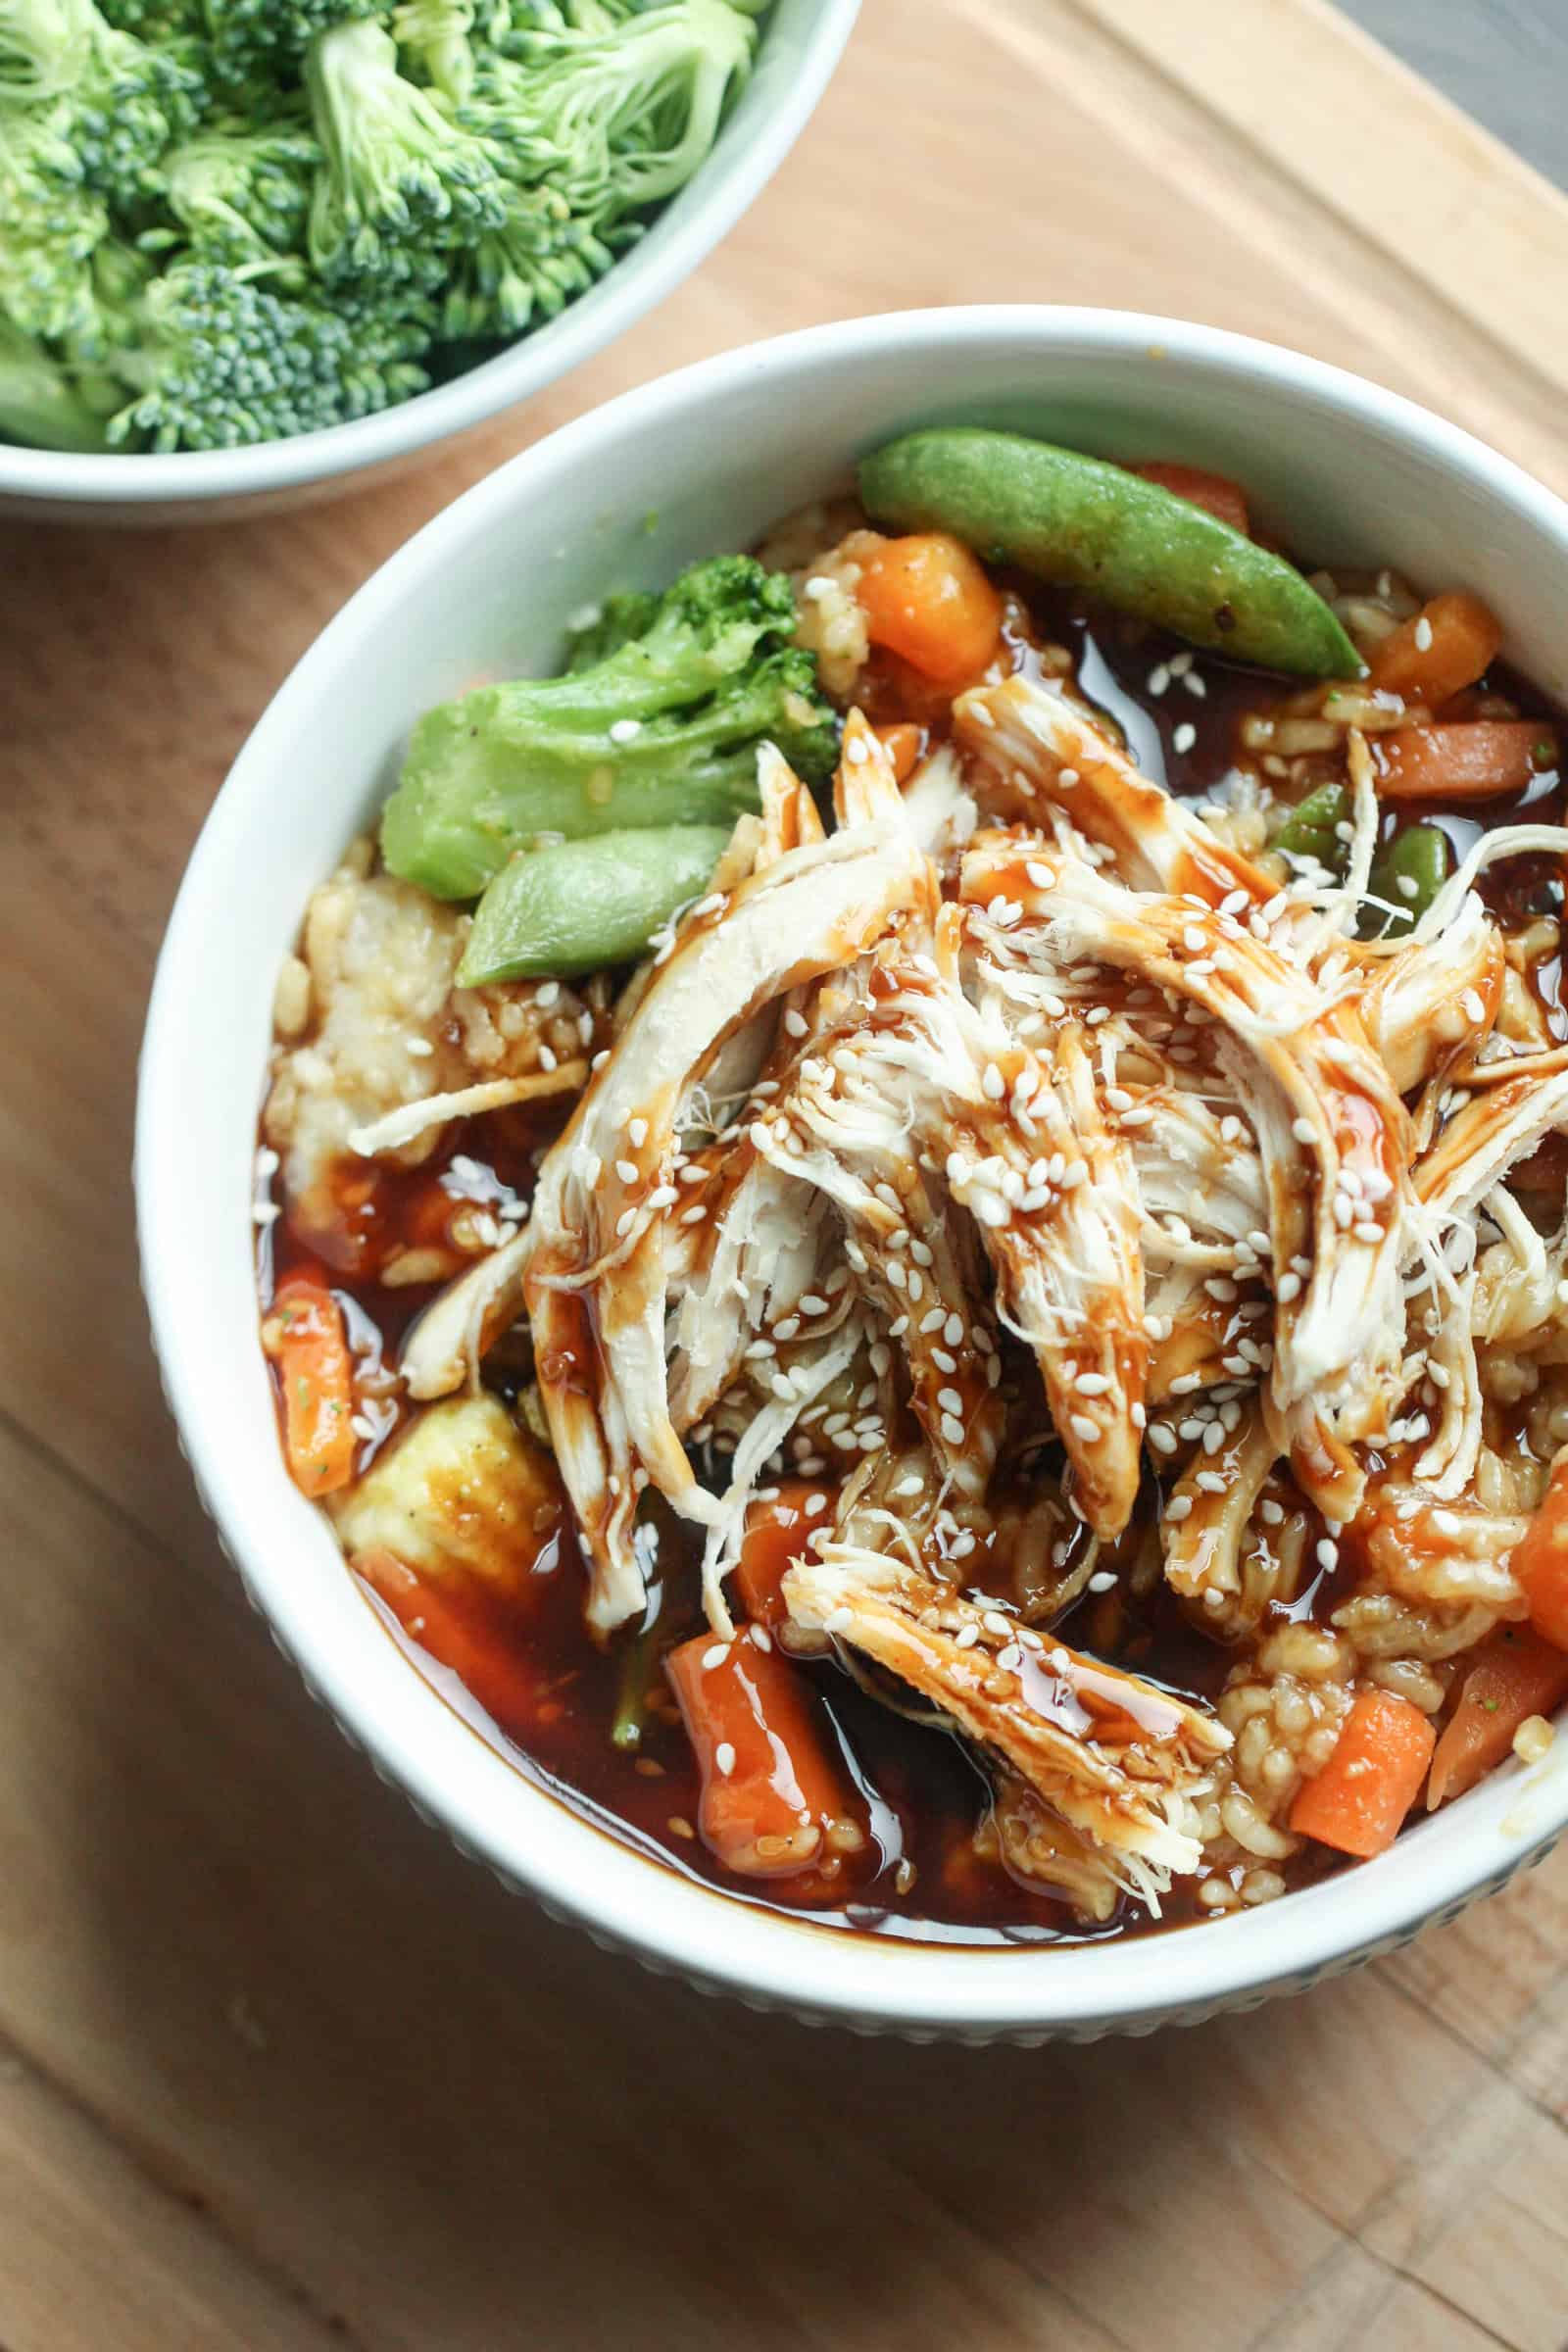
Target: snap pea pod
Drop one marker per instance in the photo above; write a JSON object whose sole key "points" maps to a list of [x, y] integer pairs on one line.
{"points": [[639, 1666], [1081, 523], [585, 904], [1419, 857], [1309, 831], [1418, 854]]}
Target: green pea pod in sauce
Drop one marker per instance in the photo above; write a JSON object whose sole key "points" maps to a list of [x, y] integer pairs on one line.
{"points": [[1417, 856], [582, 905], [1311, 828], [1407, 877], [1081, 523]]}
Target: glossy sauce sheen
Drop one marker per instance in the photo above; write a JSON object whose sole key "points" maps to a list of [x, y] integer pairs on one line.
{"points": [[553, 1692]]}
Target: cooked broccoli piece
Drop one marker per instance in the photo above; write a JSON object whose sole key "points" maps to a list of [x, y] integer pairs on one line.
{"points": [[121, 100], [614, 623], [43, 400], [241, 196], [402, 185], [662, 730], [218, 361]]}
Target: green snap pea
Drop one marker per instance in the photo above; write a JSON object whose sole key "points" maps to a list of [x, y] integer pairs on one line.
{"points": [[585, 904], [1309, 831], [639, 1667], [1081, 523], [1418, 856]]}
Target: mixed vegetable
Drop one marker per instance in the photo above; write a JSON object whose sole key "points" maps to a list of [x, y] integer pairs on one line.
{"points": [[224, 221], [915, 1215]]}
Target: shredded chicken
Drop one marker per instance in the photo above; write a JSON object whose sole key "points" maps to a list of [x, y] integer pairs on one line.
{"points": [[1116, 1761]]}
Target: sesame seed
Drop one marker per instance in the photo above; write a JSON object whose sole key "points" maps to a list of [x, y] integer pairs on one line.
{"points": [[626, 731], [953, 1429], [795, 1022], [1083, 1429], [1303, 1131], [1423, 634], [1184, 737], [628, 1170]]}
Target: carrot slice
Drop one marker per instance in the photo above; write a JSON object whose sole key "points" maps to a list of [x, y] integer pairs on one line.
{"points": [[1540, 1560], [1474, 759], [455, 1635], [901, 741], [1367, 1787], [1516, 1675], [306, 1338], [772, 1801], [1216, 493], [775, 1533], [928, 599], [1446, 647]]}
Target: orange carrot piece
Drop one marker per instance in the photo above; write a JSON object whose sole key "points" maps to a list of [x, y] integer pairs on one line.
{"points": [[1222, 498], [1474, 759], [1516, 1675], [902, 743], [1540, 1560], [928, 599], [771, 1793], [775, 1533], [309, 1344], [456, 1637], [1445, 648], [1367, 1787]]}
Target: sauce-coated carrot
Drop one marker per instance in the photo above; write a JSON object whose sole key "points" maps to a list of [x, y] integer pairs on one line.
{"points": [[1216, 493], [772, 1800], [928, 599], [306, 1339], [1363, 1793], [775, 1533], [1445, 647], [1473, 760], [1516, 1675], [1540, 1560], [901, 741], [455, 1635]]}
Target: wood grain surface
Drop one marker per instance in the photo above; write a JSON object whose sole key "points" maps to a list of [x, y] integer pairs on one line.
{"points": [[276, 2067]]}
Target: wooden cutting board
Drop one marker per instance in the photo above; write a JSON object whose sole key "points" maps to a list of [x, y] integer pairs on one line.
{"points": [[276, 2067]]}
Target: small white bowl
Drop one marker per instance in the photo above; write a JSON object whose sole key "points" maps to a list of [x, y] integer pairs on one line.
{"points": [[802, 43], [1339, 468]]}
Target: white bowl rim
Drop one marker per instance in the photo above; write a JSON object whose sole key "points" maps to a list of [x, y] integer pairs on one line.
{"points": [[510, 377], [622, 1897]]}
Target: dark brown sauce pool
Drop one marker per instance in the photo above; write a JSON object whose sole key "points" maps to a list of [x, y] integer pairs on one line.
{"points": [[553, 1690]]}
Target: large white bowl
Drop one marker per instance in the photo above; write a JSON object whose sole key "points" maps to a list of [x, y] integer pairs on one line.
{"points": [[1338, 467], [800, 45]]}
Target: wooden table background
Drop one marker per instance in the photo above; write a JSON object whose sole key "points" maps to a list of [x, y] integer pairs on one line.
{"points": [[276, 2067]]}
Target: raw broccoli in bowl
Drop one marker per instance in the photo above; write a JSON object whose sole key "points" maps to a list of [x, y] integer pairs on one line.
{"points": [[228, 222]]}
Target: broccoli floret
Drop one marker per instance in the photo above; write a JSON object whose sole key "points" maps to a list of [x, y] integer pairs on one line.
{"points": [[218, 361], [403, 184], [241, 196], [259, 41], [613, 623], [662, 730], [122, 100], [50, 223], [618, 118], [43, 400], [435, 36]]}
